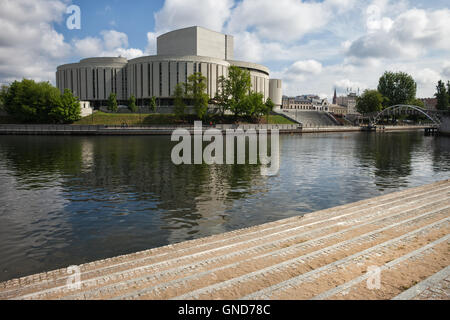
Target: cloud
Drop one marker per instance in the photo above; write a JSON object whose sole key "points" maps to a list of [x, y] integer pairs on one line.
{"points": [[426, 76], [176, 14], [151, 43], [29, 45], [112, 44], [285, 20], [344, 84], [306, 67], [411, 34], [446, 69]]}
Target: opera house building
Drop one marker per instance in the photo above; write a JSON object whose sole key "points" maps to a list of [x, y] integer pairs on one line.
{"points": [[180, 53]]}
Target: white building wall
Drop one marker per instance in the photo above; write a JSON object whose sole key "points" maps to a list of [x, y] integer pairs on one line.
{"points": [[173, 77], [182, 69], [145, 81], [156, 79], [165, 78]]}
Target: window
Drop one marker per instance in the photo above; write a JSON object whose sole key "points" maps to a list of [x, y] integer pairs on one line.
{"points": [[149, 79], [142, 80], [104, 83], [93, 82]]}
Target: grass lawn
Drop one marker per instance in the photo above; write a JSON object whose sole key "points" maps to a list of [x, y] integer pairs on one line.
{"points": [[277, 119], [147, 119], [128, 118]]}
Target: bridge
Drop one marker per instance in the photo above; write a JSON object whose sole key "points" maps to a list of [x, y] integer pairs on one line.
{"points": [[433, 116]]}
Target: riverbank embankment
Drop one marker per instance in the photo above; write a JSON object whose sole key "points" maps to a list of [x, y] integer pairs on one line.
{"points": [[393, 246]]}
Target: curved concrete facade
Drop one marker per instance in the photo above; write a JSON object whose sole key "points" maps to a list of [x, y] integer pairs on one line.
{"points": [[94, 79], [276, 92]]}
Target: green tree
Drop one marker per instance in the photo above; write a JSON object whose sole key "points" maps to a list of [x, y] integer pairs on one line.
{"points": [[252, 105], [3, 93], [132, 104], [442, 96], [269, 105], [397, 88], [418, 103], [28, 101], [68, 110], [448, 91], [112, 102], [153, 104], [196, 93], [369, 101], [222, 97], [238, 86], [179, 105]]}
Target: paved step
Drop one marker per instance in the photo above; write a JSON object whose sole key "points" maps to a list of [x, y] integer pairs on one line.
{"points": [[278, 259], [436, 287]]}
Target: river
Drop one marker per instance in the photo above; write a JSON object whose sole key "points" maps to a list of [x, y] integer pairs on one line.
{"points": [[70, 200]]}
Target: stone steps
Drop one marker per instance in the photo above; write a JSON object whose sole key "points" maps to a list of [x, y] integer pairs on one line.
{"points": [[320, 255]]}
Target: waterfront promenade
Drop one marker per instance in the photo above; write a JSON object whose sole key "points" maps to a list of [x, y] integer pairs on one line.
{"points": [[18, 129], [390, 247]]}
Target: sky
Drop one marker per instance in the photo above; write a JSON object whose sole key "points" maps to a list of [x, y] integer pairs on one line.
{"points": [[313, 46]]}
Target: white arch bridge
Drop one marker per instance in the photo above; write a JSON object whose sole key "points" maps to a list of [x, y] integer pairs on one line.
{"points": [[433, 116]]}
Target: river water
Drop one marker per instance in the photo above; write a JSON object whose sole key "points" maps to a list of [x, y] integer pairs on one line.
{"points": [[69, 200]]}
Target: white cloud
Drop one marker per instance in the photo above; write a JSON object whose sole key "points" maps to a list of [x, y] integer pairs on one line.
{"points": [[343, 84], [306, 66], [88, 47], [151, 43], [113, 39], [285, 20], [446, 69], [410, 35], [426, 76], [176, 14], [112, 44], [29, 45]]}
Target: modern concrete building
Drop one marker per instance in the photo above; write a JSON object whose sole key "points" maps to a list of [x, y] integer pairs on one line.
{"points": [[180, 53]]}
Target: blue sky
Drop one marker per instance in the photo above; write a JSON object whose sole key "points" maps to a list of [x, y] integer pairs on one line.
{"points": [[313, 46], [101, 15]]}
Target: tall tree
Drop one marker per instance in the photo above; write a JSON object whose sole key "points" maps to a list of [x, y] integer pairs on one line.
{"points": [[369, 101], [222, 97], [448, 91], [3, 93], [238, 86], [397, 88], [179, 105], [112, 102], [442, 96], [196, 93]]}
